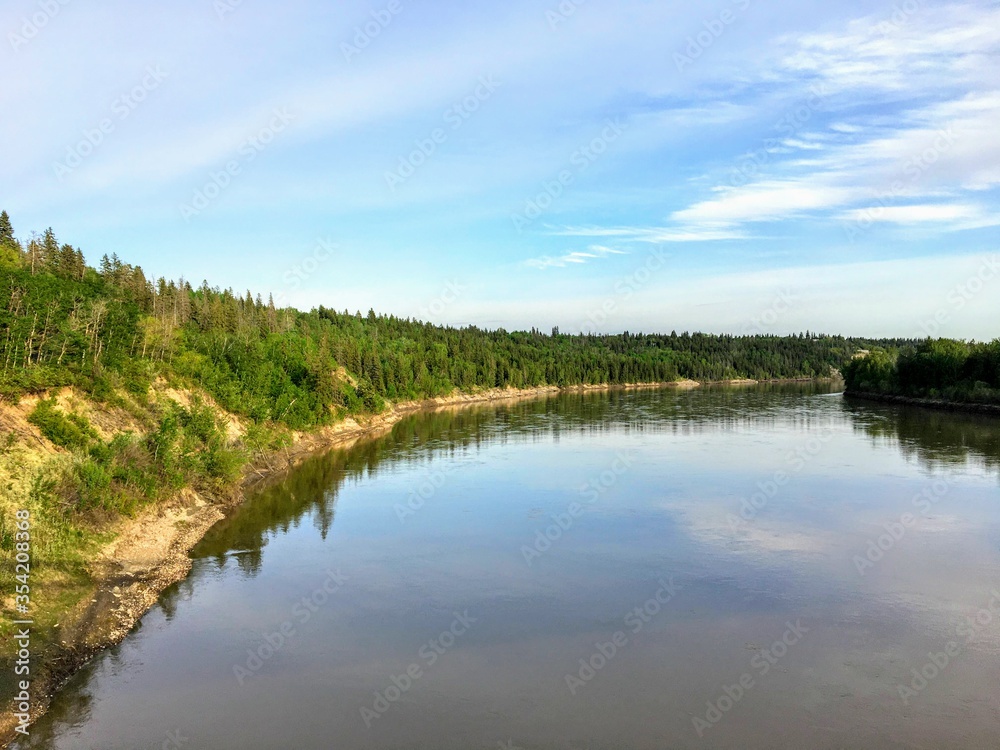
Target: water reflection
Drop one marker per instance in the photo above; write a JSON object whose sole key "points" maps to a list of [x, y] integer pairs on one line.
{"points": [[934, 438], [929, 437], [421, 438], [515, 467]]}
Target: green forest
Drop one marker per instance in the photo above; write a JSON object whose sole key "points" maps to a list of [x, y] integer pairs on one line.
{"points": [[933, 369], [65, 323]]}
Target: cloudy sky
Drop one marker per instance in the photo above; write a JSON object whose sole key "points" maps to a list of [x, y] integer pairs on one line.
{"points": [[728, 166]]}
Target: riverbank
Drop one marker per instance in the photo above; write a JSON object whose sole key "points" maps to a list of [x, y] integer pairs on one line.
{"points": [[928, 403], [149, 552]]}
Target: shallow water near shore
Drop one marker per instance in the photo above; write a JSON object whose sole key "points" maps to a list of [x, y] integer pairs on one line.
{"points": [[753, 567]]}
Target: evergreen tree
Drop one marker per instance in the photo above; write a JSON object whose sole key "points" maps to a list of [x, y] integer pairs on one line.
{"points": [[6, 230], [10, 250], [50, 251], [66, 266]]}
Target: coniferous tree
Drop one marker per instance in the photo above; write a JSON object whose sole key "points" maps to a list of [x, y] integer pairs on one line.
{"points": [[10, 249], [50, 251], [66, 266], [6, 230]]}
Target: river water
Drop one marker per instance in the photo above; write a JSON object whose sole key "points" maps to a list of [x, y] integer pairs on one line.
{"points": [[762, 567]]}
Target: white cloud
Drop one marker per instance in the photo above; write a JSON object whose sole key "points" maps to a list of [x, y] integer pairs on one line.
{"points": [[574, 258], [653, 234], [765, 201], [914, 214], [945, 148], [803, 145], [929, 49]]}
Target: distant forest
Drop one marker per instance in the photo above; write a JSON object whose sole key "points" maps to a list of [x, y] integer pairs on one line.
{"points": [[935, 369], [108, 328]]}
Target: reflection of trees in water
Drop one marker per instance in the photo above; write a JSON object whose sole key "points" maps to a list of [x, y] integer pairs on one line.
{"points": [[936, 439], [419, 439], [173, 595]]}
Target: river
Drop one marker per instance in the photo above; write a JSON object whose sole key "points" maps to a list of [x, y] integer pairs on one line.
{"points": [[751, 567]]}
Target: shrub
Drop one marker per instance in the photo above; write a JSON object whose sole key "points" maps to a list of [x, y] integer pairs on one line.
{"points": [[222, 462], [199, 420], [94, 484], [137, 377], [71, 431]]}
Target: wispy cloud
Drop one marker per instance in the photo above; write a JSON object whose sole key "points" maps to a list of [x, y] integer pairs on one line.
{"points": [[654, 234], [765, 201], [574, 258], [947, 56], [915, 214]]}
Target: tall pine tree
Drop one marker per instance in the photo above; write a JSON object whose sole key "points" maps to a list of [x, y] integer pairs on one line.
{"points": [[6, 230]]}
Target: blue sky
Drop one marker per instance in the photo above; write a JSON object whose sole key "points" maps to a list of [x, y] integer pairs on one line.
{"points": [[734, 166]]}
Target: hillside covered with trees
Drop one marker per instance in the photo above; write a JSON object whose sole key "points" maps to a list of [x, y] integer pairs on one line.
{"points": [[933, 369], [63, 322], [111, 333]]}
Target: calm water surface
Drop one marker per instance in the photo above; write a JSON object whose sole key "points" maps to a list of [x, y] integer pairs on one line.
{"points": [[721, 568]]}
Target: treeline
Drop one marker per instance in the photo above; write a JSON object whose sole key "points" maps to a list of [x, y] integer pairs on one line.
{"points": [[935, 368], [106, 328]]}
